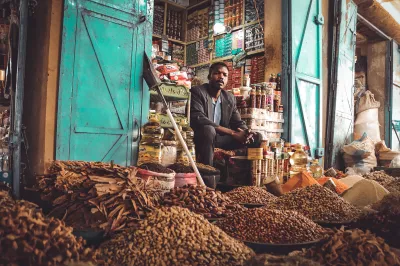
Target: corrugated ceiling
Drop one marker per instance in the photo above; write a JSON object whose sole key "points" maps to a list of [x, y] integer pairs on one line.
{"points": [[393, 7]]}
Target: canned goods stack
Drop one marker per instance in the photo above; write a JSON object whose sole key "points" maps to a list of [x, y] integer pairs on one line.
{"points": [[254, 38], [203, 52], [219, 11], [158, 20], [177, 54], [197, 25], [251, 11], [233, 13], [234, 79], [255, 67], [174, 22], [191, 54]]}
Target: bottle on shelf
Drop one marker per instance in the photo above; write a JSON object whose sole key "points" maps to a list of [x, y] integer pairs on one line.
{"points": [[316, 169], [263, 97], [272, 78], [253, 95], [258, 97], [298, 160], [277, 93]]}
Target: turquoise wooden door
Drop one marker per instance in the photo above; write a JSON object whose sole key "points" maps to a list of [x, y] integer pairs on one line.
{"points": [[305, 73], [395, 98], [341, 104], [101, 86]]}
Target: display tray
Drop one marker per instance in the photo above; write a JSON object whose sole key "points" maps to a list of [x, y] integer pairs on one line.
{"points": [[92, 237], [279, 249]]}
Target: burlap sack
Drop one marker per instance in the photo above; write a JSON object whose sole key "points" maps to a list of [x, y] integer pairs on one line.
{"points": [[367, 102]]}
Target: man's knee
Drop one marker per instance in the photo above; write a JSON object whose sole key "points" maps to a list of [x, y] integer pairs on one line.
{"points": [[207, 133]]}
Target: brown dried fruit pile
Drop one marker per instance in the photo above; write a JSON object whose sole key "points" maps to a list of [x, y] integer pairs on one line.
{"points": [[176, 236], [318, 204], [95, 195], [202, 200], [271, 226], [394, 186], [181, 168], [28, 238], [353, 247], [207, 169], [250, 194], [118, 250], [271, 260], [381, 177], [156, 167], [385, 222]]}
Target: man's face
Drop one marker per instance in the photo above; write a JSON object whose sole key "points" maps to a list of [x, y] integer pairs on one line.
{"points": [[219, 78]]}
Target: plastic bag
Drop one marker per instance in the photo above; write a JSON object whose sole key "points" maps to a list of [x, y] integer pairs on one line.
{"points": [[360, 155], [395, 162]]}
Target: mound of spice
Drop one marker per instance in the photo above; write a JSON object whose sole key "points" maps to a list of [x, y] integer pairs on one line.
{"points": [[340, 187], [176, 236], [181, 168], [271, 226], [29, 238], [156, 167], [272, 260], [394, 186], [352, 247], [207, 170], [386, 220], [202, 200], [250, 194], [381, 177], [317, 203]]}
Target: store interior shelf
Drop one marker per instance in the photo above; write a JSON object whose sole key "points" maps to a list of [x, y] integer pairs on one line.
{"points": [[198, 4], [217, 59], [253, 22], [169, 39]]}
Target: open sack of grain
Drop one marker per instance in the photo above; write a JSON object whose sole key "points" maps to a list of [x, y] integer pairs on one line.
{"points": [[360, 155]]}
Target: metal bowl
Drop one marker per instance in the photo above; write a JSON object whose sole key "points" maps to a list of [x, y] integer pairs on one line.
{"points": [[279, 249]]}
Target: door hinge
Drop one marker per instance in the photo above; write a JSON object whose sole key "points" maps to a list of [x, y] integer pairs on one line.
{"points": [[319, 19]]}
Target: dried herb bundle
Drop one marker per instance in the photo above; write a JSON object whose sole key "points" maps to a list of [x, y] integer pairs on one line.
{"points": [[29, 238], [95, 195], [353, 247]]}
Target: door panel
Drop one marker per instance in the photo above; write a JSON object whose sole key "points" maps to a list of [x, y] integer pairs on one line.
{"points": [[306, 54], [100, 87], [395, 104], [340, 127]]}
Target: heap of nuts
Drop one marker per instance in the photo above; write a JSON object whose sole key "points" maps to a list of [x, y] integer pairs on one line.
{"points": [[352, 247], [28, 238], [317, 203], [273, 260], [386, 220], [118, 250], [381, 177], [271, 226], [176, 236], [394, 186], [250, 194], [201, 200]]}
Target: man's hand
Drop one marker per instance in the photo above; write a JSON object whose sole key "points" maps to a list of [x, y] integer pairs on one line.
{"points": [[240, 136]]}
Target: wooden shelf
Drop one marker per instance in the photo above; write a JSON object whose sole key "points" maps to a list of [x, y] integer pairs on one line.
{"points": [[259, 51], [200, 64], [169, 39], [253, 23], [171, 4], [201, 39], [198, 4], [221, 58]]}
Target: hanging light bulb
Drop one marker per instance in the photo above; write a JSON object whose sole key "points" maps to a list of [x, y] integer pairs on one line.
{"points": [[219, 28]]}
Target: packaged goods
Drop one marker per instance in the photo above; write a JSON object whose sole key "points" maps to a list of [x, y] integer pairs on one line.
{"points": [[176, 236], [278, 227], [250, 194], [166, 69], [29, 238], [352, 247], [201, 200], [365, 192], [318, 204]]}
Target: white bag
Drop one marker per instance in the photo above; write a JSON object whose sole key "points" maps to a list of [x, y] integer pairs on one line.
{"points": [[372, 129]]}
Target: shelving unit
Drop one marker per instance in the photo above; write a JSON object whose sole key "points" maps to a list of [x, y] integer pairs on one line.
{"points": [[211, 41]]}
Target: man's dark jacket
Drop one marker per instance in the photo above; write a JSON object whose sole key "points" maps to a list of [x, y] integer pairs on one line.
{"points": [[202, 110]]}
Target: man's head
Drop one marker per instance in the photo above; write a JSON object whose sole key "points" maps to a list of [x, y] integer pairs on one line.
{"points": [[218, 75]]}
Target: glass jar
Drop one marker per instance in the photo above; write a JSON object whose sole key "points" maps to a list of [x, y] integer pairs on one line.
{"points": [[316, 169], [298, 160], [152, 130], [150, 152]]}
